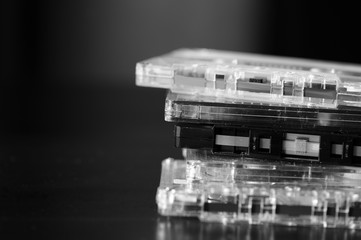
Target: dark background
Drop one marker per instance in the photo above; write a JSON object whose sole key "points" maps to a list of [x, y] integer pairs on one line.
{"points": [[81, 145]]}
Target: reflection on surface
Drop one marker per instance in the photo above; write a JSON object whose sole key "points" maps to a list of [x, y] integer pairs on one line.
{"points": [[192, 228]]}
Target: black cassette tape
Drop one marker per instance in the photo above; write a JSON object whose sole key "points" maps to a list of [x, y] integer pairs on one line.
{"points": [[273, 144]]}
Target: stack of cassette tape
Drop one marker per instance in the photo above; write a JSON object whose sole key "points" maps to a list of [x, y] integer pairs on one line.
{"points": [[265, 139]]}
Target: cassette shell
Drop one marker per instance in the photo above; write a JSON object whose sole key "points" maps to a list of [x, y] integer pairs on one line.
{"points": [[196, 188], [218, 110], [252, 77]]}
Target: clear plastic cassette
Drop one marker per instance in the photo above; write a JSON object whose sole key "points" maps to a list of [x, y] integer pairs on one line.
{"points": [[214, 110], [261, 193], [255, 78]]}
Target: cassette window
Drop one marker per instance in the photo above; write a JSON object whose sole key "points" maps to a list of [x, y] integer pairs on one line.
{"points": [[301, 146], [254, 82], [231, 140]]}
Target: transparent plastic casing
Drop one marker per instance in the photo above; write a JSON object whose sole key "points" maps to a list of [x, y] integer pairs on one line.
{"points": [[236, 191], [195, 108], [252, 77]]}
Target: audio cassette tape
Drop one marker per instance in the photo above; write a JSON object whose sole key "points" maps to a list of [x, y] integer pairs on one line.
{"points": [[254, 77], [243, 191]]}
